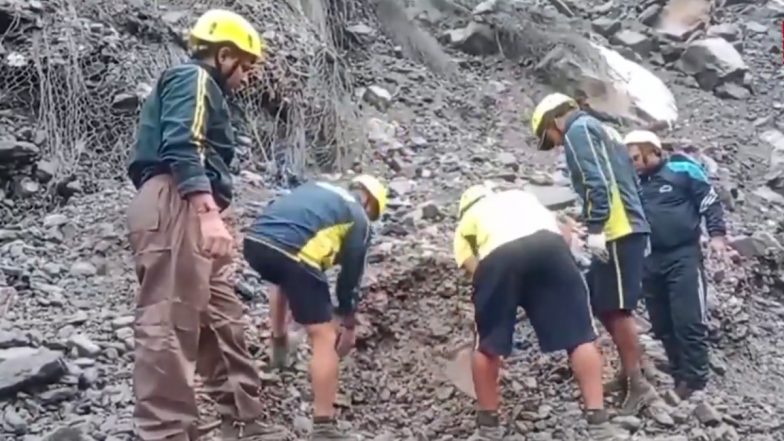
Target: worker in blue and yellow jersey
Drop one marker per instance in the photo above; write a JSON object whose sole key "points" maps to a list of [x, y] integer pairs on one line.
{"points": [[518, 255], [188, 317], [603, 175], [291, 243], [677, 196]]}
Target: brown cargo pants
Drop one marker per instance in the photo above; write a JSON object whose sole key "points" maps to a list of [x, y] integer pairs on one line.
{"points": [[187, 319]]}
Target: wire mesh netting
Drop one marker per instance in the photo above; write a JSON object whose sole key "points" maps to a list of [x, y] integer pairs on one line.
{"points": [[78, 70]]}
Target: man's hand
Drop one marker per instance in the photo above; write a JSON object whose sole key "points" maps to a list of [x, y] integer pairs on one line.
{"points": [[217, 239], [347, 336], [597, 245], [718, 247]]}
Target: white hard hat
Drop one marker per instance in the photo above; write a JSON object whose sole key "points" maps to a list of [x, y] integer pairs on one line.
{"points": [[642, 137]]}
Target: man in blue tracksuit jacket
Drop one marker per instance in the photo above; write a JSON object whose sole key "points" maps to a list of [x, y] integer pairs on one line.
{"points": [[677, 195], [603, 175]]}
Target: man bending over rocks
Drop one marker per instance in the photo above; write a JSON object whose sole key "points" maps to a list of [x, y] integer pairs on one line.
{"points": [[514, 250], [602, 174], [188, 318], [677, 195], [291, 243]]}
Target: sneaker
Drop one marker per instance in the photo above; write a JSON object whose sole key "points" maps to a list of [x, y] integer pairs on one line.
{"points": [[607, 431], [641, 393], [487, 433], [329, 431], [280, 352], [253, 431]]}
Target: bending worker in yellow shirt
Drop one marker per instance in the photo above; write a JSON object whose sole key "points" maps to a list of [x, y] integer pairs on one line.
{"points": [[513, 248]]}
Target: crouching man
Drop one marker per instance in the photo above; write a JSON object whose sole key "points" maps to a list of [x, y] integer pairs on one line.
{"points": [[291, 243], [677, 196], [512, 247]]}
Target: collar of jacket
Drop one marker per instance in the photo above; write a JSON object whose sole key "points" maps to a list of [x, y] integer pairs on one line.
{"points": [[573, 117], [214, 73], [657, 169]]}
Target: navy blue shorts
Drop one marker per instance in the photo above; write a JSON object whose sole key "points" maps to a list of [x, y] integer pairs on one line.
{"points": [[617, 284], [305, 288], [539, 274]]}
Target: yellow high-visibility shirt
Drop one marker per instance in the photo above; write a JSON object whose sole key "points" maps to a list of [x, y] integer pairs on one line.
{"points": [[498, 219]]}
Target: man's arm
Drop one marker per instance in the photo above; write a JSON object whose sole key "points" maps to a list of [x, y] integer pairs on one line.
{"points": [[465, 251], [185, 107], [352, 266], [589, 156], [704, 196]]}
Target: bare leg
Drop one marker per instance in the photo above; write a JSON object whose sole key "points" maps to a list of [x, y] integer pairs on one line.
{"points": [[485, 369], [587, 366], [323, 368], [279, 307]]}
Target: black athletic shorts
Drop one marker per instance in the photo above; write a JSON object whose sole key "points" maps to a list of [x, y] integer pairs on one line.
{"points": [[617, 283], [305, 288], [539, 274]]}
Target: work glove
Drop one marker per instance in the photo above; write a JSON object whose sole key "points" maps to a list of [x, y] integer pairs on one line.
{"points": [[597, 246]]}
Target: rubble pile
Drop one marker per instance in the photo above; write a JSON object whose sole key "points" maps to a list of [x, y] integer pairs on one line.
{"points": [[433, 127]]}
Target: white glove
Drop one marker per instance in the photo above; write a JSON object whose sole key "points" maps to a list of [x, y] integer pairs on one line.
{"points": [[597, 245]]}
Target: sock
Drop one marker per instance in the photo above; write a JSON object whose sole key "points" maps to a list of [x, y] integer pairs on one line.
{"points": [[487, 418], [596, 416]]}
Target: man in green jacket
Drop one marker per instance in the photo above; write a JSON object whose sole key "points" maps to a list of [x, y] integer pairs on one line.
{"points": [[188, 318]]}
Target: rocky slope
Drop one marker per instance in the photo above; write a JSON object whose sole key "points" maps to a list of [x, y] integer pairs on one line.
{"points": [[438, 116]]}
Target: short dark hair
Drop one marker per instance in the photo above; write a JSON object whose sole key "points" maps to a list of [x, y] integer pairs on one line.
{"points": [[557, 112]]}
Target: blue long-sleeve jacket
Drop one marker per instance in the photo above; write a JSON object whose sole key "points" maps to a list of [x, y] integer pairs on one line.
{"points": [[185, 131], [676, 196], [320, 225], [603, 174]]}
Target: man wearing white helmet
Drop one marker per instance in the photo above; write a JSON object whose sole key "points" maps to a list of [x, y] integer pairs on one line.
{"points": [[677, 195]]}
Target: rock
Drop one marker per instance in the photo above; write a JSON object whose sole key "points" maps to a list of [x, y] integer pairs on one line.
{"points": [[756, 28], [707, 414], [39, 367], [749, 246], [12, 150], [553, 197], [12, 339], [45, 171], [732, 91], [65, 434], [26, 187], [55, 220], [650, 15], [474, 39], [635, 41], [630, 423], [606, 26], [378, 97], [125, 102], [83, 269], [361, 32], [727, 31], [84, 346], [122, 322], [713, 61]]}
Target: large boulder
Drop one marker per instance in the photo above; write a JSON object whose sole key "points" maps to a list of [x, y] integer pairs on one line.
{"points": [[713, 61]]}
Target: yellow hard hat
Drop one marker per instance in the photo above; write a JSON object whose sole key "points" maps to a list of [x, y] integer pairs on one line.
{"points": [[222, 26], [471, 196], [376, 189], [544, 108]]}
